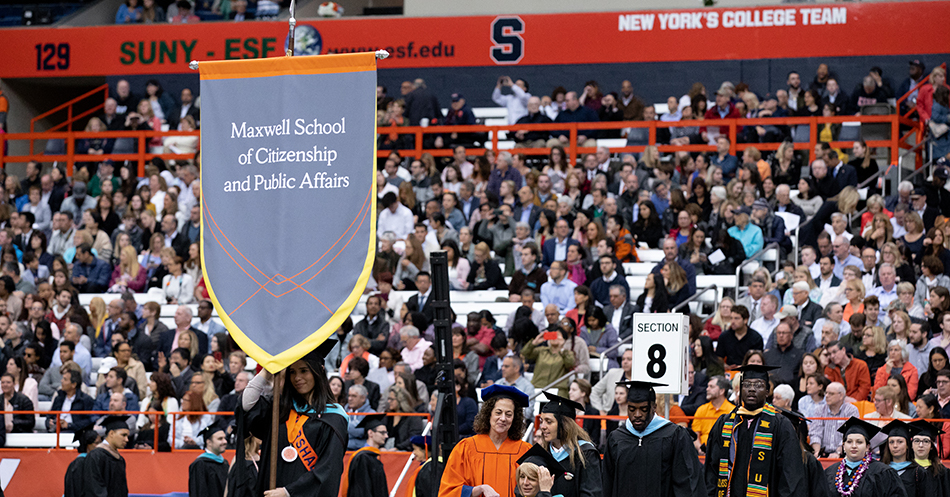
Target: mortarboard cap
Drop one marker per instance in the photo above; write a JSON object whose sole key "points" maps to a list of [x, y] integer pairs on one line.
{"points": [[538, 455], [209, 432], [422, 441], [85, 437], [926, 429], [496, 390], [115, 423], [756, 371], [898, 428], [860, 426], [799, 421], [640, 391], [372, 421], [561, 406]]}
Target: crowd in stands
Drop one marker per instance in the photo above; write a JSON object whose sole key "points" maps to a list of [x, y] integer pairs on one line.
{"points": [[858, 320], [188, 12]]}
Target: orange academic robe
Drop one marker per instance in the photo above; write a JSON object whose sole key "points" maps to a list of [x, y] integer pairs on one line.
{"points": [[475, 461]]}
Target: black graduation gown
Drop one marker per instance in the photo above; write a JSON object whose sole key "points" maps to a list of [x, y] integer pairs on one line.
{"points": [[815, 477], [72, 483], [425, 484], [207, 477], [103, 475], [661, 464], [587, 478], [914, 479], [366, 476], [936, 486], [242, 488], [327, 436], [880, 480], [592, 426], [786, 475]]}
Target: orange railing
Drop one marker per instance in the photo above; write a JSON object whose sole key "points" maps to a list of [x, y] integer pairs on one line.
{"points": [[916, 126], [71, 116], [728, 127], [732, 125]]}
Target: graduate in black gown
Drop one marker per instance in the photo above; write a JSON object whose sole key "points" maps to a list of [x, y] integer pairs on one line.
{"points": [[423, 484], [366, 475], [858, 474], [208, 474], [753, 449], [242, 477], [648, 455], [537, 458], [897, 453], [570, 445], [937, 482], [814, 472], [311, 429], [103, 472], [72, 483]]}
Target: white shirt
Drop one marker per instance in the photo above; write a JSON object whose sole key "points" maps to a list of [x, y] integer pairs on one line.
{"points": [[899, 230], [67, 405], [765, 327], [400, 222], [615, 320], [560, 250], [517, 102], [815, 270]]}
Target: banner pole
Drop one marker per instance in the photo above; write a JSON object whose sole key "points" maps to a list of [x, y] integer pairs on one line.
{"points": [[275, 421], [293, 26]]}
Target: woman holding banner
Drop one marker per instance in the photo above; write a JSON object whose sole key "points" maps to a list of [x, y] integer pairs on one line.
{"points": [[311, 431]]}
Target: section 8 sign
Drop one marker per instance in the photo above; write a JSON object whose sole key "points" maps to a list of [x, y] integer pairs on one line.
{"points": [[660, 350]]}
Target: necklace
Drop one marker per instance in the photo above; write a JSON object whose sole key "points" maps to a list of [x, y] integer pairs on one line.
{"points": [[847, 489]]}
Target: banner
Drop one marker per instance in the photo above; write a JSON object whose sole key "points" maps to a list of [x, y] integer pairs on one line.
{"points": [[702, 34], [288, 196]]}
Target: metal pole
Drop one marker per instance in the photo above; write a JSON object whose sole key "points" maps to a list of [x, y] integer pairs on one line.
{"points": [[666, 405], [293, 26], [405, 469]]}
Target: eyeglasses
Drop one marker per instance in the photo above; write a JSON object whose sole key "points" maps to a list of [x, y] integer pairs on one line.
{"points": [[754, 384], [922, 441]]}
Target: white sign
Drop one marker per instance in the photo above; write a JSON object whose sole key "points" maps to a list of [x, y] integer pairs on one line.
{"points": [[660, 350]]}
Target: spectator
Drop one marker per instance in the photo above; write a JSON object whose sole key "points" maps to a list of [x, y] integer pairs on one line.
{"points": [[70, 398], [717, 395], [130, 12], [485, 273], [748, 234], [517, 101], [600, 288], [845, 369], [785, 355], [555, 248], [357, 402], [152, 13], [189, 426], [15, 401], [558, 290], [925, 95], [674, 281], [735, 342], [90, 274], [414, 347], [575, 113], [534, 115], [420, 103], [601, 335], [654, 297], [185, 15], [550, 361]]}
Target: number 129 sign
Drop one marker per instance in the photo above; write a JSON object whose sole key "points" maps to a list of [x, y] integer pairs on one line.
{"points": [[660, 350]]}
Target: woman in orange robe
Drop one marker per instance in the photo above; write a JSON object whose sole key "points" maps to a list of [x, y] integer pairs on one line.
{"points": [[485, 465]]}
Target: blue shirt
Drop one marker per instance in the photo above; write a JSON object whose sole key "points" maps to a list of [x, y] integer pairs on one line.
{"points": [[661, 204], [728, 164], [750, 238], [497, 177], [560, 294], [97, 275], [849, 261]]}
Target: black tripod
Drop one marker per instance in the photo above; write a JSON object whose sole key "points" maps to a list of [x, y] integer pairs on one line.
{"points": [[445, 433]]}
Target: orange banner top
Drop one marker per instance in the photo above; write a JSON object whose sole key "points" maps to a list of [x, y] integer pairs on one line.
{"points": [[779, 31]]}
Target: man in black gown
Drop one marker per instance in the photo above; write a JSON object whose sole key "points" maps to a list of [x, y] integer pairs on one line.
{"points": [[104, 469], [752, 450], [367, 476], [208, 474], [72, 483], [648, 455]]}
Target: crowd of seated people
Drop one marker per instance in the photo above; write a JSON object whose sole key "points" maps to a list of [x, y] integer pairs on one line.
{"points": [[857, 320], [189, 12]]}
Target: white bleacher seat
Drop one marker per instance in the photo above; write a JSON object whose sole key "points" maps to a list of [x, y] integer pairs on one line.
{"points": [[638, 268], [38, 440], [612, 142], [650, 255]]}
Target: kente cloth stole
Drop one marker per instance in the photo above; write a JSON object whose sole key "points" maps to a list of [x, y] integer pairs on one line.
{"points": [[759, 463]]}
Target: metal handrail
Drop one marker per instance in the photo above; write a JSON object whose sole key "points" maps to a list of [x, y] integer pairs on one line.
{"points": [[757, 255], [695, 296]]}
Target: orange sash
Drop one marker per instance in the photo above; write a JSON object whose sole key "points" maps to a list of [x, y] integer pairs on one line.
{"points": [[298, 441]]}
